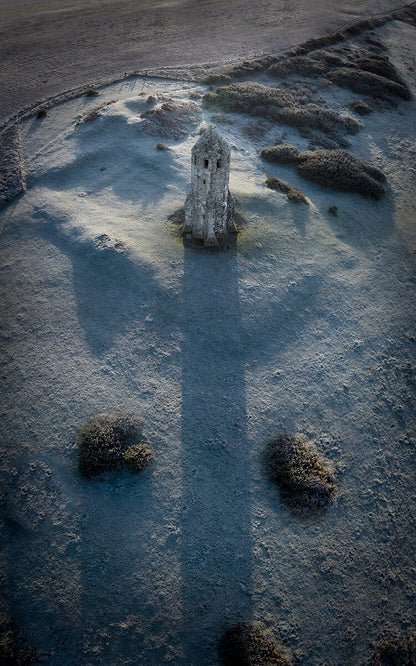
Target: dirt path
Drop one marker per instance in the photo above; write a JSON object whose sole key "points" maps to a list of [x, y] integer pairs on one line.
{"points": [[50, 46]]}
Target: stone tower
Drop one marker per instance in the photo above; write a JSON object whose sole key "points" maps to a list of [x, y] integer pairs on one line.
{"points": [[209, 207]]}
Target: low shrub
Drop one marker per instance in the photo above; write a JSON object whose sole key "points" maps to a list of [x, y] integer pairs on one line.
{"points": [[215, 79], [162, 146], [108, 442], [395, 651], [279, 105], [91, 92], [305, 480], [151, 99], [250, 644], [367, 83], [301, 65], [361, 107], [333, 210], [284, 153], [138, 457], [293, 193], [380, 65], [41, 113], [341, 171]]}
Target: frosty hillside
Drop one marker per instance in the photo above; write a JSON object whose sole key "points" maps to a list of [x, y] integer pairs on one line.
{"points": [[270, 385], [209, 207]]}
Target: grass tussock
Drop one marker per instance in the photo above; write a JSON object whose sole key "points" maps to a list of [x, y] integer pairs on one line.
{"points": [[395, 651], [108, 442], [294, 194], [250, 644], [360, 107], [91, 92], [284, 153], [341, 171], [367, 83], [172, 119], [304, 478], [279, 105]]}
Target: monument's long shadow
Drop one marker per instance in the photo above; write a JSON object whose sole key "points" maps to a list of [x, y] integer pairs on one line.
{"points": [[216, 537]]}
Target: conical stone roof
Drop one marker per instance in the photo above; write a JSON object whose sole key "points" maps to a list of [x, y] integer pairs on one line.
{"points": [[211, 142]]}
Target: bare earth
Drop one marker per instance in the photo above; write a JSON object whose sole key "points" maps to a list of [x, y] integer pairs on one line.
{"points": [[48, 47]]}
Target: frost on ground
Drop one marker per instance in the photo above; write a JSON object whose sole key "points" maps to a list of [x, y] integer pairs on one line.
{"points": [[12, 180], [306, 325]]}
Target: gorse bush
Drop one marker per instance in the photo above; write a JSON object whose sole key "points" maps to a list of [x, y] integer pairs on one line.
{"points": [[108, 442], [279, 105], [283, 153], [367, 83], [304, 478], [293, 193], [249, 644], [341, 171]]}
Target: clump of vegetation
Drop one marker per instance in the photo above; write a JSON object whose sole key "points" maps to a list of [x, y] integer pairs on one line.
{"points": [[395, 651], [279, 105], [172, 119], [12, 180], [138, 457], [333, 210], [91, 92], [301, 65], [162, 146], [194, 95], [361, 107], [151, 99], [215, 79], [341, 171], [250, 644], [293, 193], [109, 442], [284, 153], [367, 83], [380, 65], [304, 478], [41, 113]]}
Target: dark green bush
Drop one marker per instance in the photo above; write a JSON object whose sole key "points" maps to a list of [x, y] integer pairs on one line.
{"points": [[108, 442], [303, 477], [367, 83], [249, 644], [293, 193], [341, 171], [284, 153]]}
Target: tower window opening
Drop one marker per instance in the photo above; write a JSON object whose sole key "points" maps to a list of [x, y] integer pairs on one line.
{"points": [[218, 164], [206, 164]]}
